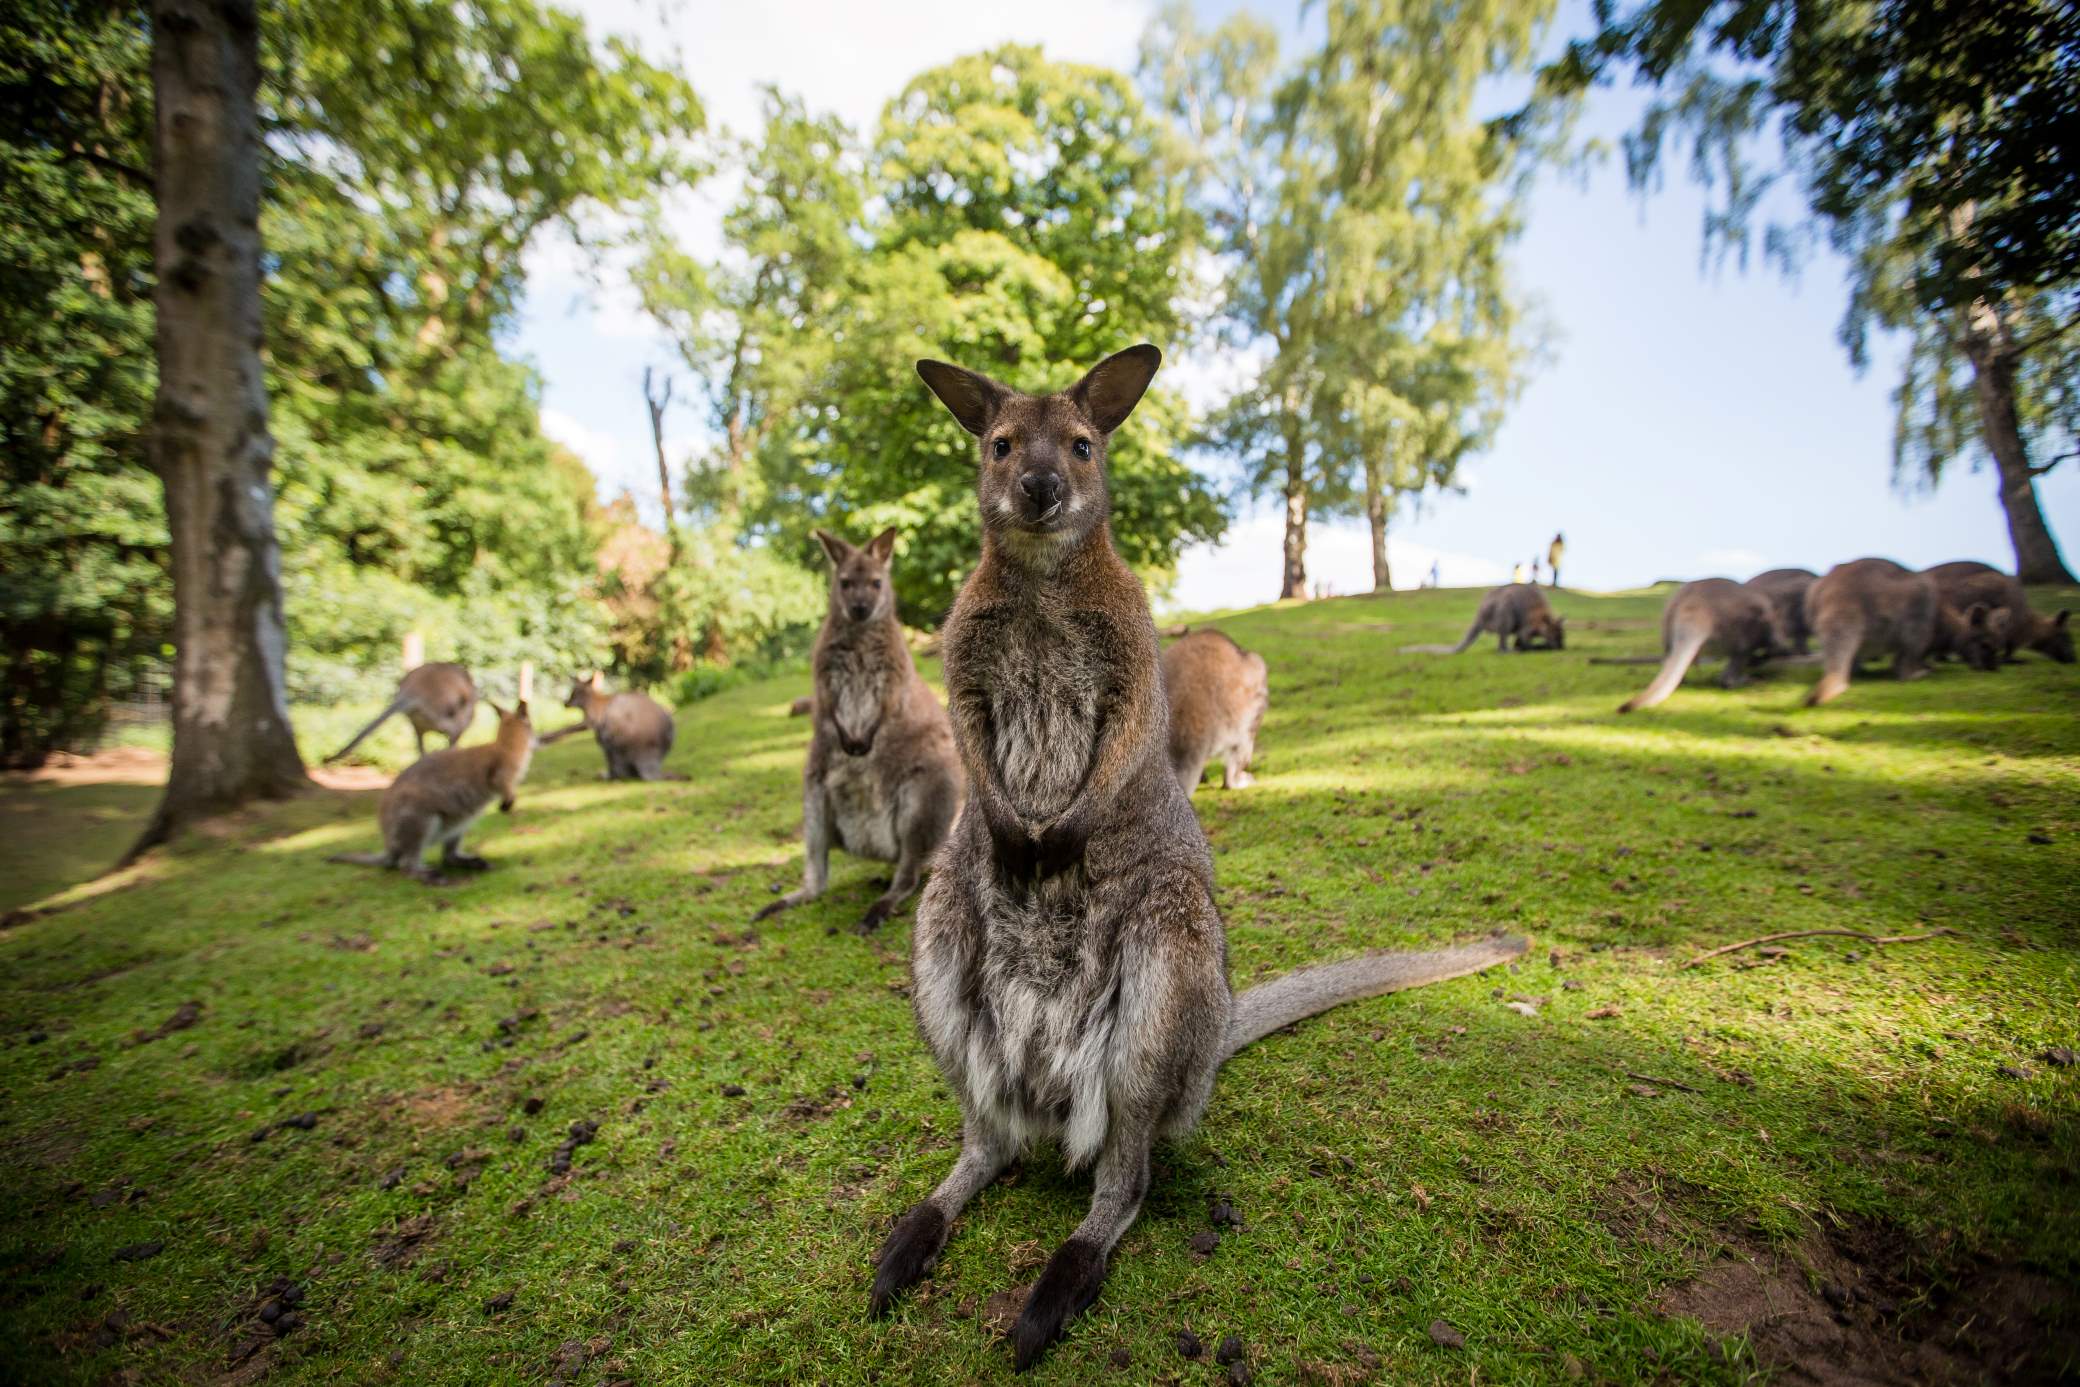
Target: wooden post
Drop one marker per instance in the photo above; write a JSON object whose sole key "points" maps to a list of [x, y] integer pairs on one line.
{"points": [[414, 651], [526, 681]]}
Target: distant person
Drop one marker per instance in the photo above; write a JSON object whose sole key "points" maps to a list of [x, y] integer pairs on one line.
{"points": [[1534, 570], [1436, 579], [1554, 552], [1516, 572]]}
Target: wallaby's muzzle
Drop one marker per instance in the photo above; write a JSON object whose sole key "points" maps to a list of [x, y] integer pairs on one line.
{"points": [[1041, 493]]}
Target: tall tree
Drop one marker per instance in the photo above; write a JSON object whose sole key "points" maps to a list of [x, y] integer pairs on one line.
{"points": [[210, 444], [1931, 140]]}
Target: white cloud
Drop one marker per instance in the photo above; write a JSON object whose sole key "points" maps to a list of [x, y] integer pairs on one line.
{"points": [[1243, 569], [1733, 563], [609, 457]]}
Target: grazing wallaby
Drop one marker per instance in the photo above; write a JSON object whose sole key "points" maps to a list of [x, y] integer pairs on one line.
{"points": [[437, 698], [1715, 615], [632, 729], [1069, 968], [882, 779], [1786, 590], [1520, 610], [437, 798], [1974, 635], [1218, 693], [1966, 581], [1865, 608]]}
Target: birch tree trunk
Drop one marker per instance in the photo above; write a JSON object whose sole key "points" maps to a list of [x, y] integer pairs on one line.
{"points": [[1376, 517], [1990, 346], [210, 441], [1293, 581]]}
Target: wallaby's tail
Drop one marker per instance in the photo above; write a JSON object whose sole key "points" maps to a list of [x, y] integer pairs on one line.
{"points": [[396, 706], [1682, 651], [360, 859], [1473, 633], [1838, 660], [1262, 1009]]}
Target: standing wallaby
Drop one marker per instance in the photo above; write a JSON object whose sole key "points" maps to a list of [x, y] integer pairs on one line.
{"points": [[1966, 581], [437, 798], [1865, 608], [632, 729], [1520, 610], [1218, 693], [437, 698], [1786, 590], [1069, 968], [1717, 616], [882, 778]]}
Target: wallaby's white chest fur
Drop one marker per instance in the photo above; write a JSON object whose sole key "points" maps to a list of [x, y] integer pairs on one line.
{"points": [[863, 817]]}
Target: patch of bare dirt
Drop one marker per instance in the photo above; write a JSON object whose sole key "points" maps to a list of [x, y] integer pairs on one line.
{"points": [[136, 765], [1850, 1308]]}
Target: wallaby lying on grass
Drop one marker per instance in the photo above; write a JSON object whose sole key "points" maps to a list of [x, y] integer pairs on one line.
{"points": [[1069, 968], [437, 698], [1786, 590], [1966, 581], [1865, 608], [1218, 693], [1520, 610], [437, 797], [632, 729], [882, 778], [1717, 616]]}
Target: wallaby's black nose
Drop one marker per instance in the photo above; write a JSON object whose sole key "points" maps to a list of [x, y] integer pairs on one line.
{"points": [[1042, 489], [860, 610]]}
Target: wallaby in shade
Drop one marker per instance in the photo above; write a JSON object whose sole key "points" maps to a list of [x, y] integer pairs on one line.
{"points": [[1786, 590], [2019, 626], [1871, 607], [436, 698], [1712, 616], [1068, 967], [1218, 693], [436, 798], [1516, 610], [882, 779], [633, 729]]}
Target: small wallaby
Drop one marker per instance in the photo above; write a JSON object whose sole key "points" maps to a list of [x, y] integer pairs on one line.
{"points": [[1974, 635], [437, 798], [1519, 610], [1786, 590], [1069, 969], [1966, 581], [1218, 693], [1865, 608], [882, 778], [437, 698], [632, 728], [1717, 616]]}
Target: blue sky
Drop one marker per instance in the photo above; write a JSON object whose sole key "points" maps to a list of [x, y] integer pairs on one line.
{"points": [[1686, 424]]}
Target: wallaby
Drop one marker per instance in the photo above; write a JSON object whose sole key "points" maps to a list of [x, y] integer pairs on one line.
{"points": [[1867, 607], [1069, 969], [1966, 581], [882, 778], [437, 698], [1218, 693], [1519, 610], [1715, 615], [437, 798], [1786, 590], [1974, 635], [632, 729]]}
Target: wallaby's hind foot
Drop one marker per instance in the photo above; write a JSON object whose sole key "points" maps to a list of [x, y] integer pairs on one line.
{"points": [[1235, 778], [907, 1253], [361, 859], [1065, 1290], [465, 862]]}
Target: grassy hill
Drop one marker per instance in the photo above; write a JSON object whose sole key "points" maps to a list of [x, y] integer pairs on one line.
{"points": [[240, 1079]]}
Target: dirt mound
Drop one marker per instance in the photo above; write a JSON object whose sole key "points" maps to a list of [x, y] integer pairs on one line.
{"points": [[1853, 1309]]}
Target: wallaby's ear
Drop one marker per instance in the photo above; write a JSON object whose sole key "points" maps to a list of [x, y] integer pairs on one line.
{"points": [[883, 545], [596, 680], [520, 710], [834, 549], [1115, 385], [972, 397], [496, 709]]}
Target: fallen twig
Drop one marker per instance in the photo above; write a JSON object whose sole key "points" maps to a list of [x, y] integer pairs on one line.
{"points": [[1664, 1083], [1872, 939], [1625, 659]]}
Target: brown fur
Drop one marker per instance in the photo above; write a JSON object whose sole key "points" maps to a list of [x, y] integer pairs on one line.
{"points": [[1218, 693], [1786, 590], [882, 779], [1519, 610], [1069, 969], [1711, 616], [435, 800], [2019, 626], [437, 698], [1866, 608], [633, 729]]}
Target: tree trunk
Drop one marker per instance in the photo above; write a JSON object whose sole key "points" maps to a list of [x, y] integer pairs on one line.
{"points": [[1293, 583], [658, 400], [210, 444], [1991, 349], [1376, 513]]}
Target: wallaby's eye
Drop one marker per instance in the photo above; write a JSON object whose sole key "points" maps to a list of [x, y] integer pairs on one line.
{"points": [[1083, 448], [1001, 448]]}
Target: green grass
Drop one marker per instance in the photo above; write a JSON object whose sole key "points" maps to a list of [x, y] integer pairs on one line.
{"points": [[1433, 1155]]}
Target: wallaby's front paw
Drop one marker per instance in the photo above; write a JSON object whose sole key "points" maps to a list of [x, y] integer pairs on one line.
{"points": [[1241, 780], [505, 806], [1068, 1285], [468, 862], [877, 912], [906, 1255]]}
